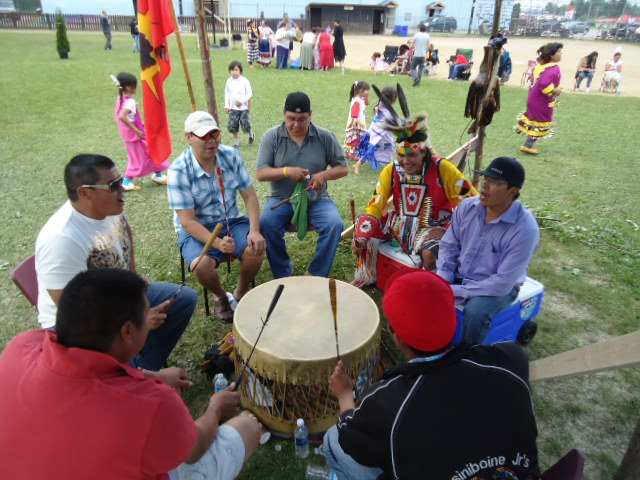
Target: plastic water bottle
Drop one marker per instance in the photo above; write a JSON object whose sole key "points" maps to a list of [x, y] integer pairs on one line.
{"points": [[301, 435], [220, 382]]}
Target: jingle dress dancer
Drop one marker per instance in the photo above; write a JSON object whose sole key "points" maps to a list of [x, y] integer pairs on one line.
{"points": [[538, 120]]}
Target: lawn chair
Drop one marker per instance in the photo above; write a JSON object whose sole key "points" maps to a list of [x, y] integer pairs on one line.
{"points": [[390, 54], [433, 59], [527, 75], [465, 74], [24, 276]]}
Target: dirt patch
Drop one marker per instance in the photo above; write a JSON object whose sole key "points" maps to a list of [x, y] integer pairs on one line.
{"points": [[360, 49]]}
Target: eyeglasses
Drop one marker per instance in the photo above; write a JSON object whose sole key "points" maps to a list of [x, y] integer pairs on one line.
{"points": [[213, 134], [112, 187]]}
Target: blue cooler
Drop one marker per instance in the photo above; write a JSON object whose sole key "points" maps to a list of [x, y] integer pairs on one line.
{"points": [[516, 322]]}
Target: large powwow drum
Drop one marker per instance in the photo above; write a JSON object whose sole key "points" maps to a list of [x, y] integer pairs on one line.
{"points": [[288, 375]]}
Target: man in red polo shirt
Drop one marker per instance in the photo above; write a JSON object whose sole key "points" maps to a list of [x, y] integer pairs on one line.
{"points": [[71, 407]]}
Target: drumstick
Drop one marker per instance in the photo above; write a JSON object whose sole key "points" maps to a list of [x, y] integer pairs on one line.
{"points": [[406, 252], [352, 204], [207, 246], [287, 200], [274, 301], [333, 296]]}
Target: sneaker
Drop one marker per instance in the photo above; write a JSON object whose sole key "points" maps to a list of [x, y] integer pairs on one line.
{"points": [[252, 138], [529, 150], [160, 178], [129, 186], [587, 90], [236, 144]]}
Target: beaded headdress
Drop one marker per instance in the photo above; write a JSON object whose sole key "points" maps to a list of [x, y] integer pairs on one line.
{"points": [[410, 133]]}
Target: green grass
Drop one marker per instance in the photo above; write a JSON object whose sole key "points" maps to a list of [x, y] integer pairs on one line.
{"points": [[586, 177]]}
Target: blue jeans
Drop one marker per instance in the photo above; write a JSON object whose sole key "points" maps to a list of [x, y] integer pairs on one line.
{"points": [[417, 69], [581, 76], [322, 214], [346, 468], [161, 341], [283, 57], [454, 71], [136, 43], [479, 312]]}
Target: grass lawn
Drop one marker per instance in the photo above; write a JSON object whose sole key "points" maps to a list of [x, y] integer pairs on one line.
{"points": [[586, 177]]}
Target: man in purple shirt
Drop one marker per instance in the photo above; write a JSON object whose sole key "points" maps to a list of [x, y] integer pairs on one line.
{"points": [[485, 253]]}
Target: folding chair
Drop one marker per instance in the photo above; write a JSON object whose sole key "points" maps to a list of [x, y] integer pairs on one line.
{"points": [[390, 53], [24, 276], [569, 467], [468, 53]]}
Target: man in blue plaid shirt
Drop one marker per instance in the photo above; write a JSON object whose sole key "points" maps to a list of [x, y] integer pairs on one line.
{"points": [[203, 186]]}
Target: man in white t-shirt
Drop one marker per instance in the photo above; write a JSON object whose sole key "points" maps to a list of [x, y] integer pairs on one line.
{"points": [[420, 42], [91, 231]]}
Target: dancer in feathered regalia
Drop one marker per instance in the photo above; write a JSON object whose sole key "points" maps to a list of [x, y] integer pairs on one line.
{"points": [[425, 189]]}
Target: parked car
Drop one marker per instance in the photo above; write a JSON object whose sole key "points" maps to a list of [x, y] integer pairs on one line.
{"points": [[440, 23], [580, 27]]}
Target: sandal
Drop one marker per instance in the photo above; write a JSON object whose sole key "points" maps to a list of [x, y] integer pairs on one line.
{"points": [[222, 310]]}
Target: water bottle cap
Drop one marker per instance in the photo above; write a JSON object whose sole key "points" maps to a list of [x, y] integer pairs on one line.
{"points": [[300, 422]]}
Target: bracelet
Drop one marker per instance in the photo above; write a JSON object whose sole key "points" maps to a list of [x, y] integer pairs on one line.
{"points": [[284, 172]]}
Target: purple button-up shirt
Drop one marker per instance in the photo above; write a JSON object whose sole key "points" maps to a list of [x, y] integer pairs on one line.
{"points": [[490, 258]]}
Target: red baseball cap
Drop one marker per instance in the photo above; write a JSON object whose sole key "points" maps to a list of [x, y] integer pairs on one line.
{"points": [[420, 307]]}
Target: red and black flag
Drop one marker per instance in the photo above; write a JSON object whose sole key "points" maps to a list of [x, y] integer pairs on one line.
{"points": [[155, 22]]}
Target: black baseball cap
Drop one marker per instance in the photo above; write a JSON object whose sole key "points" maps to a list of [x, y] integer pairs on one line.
{"points": [[505, 168], [297, 102]]}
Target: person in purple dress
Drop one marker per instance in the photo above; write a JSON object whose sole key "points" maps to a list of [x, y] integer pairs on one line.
{"points": [[537, 121]]}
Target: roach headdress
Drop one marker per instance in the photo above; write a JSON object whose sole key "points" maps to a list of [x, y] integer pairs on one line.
{"points": [[410, 133]]}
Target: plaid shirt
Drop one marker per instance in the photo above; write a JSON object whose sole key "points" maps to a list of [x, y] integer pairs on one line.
{"points": [[190, 187]]}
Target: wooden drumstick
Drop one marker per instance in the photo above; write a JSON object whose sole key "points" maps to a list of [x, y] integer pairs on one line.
{"points": [[352, 205], [333, 296], [274, 301], [287, 200], [207, 246]]}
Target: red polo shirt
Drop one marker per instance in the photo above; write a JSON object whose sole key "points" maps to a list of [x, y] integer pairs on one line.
{"points": [[74, 413]]}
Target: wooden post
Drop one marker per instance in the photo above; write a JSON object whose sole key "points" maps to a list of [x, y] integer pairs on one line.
{"points": [[185, 67], [490, 78], [205, 55]]}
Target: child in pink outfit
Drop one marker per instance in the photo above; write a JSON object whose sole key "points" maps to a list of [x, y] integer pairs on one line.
{"points": [[132, 131]]}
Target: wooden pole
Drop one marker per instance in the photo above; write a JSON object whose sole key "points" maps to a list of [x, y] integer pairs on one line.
{"points": [[185, 68], [617, 352], [205, 56], [490, 77]]}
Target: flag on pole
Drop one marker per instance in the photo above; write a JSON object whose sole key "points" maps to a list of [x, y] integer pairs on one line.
{"points": [[155, 22]]}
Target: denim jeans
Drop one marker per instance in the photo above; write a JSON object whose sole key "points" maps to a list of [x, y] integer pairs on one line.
{"points": [[107, 36], [283, 57], [455, 70], [322, 214], [346, 468], [161, 341], [136, 43], [581, 76], [479, 312], [417, 69]]}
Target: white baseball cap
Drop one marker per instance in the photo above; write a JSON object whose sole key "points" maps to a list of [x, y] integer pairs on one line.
{"points": [[200, 123]]}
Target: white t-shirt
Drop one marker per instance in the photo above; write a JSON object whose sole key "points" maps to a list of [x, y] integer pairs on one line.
{"points": [[420, 44], [130, 104], [237, 89], [70, 243]]}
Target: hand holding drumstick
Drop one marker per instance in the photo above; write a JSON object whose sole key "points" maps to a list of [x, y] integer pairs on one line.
{"points": [[341, 387]]}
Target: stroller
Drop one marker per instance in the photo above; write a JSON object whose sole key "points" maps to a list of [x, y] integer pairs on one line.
{"points": [[610, 82]]}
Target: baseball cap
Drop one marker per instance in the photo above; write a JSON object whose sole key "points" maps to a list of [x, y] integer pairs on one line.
{"points": [[200, 123], [420, 307], [297, 102], [505, 168]]}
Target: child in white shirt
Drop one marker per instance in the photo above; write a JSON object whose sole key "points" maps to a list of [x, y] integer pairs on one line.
{"points": [[237, 103]]}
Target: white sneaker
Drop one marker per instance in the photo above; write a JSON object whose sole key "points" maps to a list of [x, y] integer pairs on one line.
{"points": [[159, 178], [587, 90], [128, 185]]}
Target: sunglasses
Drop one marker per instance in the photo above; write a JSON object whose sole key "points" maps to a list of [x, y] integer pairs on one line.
{"points": [[112, 187], [213, 134]]}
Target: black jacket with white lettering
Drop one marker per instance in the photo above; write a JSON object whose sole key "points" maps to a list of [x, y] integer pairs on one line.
{"points": [[468, 415]]}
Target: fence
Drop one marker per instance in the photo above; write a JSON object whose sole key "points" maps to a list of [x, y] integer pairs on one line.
{"points": [[47, 21]]}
